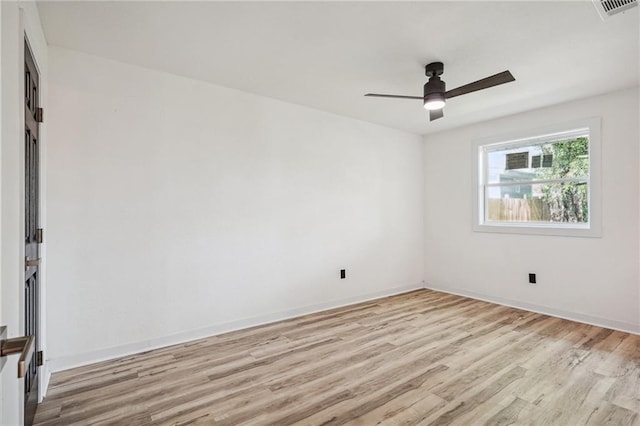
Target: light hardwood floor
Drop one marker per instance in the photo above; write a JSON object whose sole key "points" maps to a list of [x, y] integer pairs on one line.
{"points": [[418, 358]]}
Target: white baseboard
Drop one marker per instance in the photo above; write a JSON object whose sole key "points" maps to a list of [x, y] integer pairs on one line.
{"points": [[67, 362], [573, 316]]}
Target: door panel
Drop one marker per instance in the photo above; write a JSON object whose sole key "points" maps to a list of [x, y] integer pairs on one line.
{"points": [[32, 249]]}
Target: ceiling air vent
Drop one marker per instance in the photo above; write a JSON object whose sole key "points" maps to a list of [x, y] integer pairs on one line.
{"points": [[607, 8]]}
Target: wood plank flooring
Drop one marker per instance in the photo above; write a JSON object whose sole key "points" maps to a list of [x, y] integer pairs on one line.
{"points": [[422, 357]]}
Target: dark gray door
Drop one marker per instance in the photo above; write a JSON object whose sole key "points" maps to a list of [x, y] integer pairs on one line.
{"points": [[31, 240]]}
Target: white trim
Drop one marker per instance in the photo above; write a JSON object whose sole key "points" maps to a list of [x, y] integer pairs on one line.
{"points": [[479, 162], [44, 380], [546, 310], [72, 361], [545, 135]]}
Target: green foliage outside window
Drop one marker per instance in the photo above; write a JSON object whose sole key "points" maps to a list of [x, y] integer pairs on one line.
{"points": [[567, 201]]}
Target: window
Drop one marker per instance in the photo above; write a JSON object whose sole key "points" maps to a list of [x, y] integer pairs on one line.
{"points": [[543, 184]]}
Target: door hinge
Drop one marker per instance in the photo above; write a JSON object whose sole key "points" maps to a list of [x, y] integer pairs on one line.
{"points": [[39, 115], [39, 358], [39, 235]]}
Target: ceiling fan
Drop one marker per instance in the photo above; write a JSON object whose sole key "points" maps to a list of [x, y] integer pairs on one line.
{"points": [[435, 94]]}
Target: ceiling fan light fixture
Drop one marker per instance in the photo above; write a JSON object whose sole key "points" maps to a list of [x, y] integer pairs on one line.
{"points": [[434, 89], [434, 101]]}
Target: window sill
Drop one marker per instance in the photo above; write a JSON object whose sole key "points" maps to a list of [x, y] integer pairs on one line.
{"points": [[540, 229]]}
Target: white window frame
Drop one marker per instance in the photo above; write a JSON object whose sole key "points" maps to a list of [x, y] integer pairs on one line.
{"points": [[591, 229]]}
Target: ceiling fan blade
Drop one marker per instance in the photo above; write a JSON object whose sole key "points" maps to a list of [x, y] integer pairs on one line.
{"points": [[434, 114], [485, 83], [378, 95]]}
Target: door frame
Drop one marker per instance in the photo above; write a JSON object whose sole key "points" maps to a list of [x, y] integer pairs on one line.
{"points": [[12, 193]]}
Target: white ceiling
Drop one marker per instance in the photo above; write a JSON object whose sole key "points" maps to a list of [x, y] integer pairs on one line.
{"points": [[326, 55]]}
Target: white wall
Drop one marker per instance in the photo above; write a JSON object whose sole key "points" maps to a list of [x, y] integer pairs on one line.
{"points": [[178, 209], [588, 279], [18, 19]]}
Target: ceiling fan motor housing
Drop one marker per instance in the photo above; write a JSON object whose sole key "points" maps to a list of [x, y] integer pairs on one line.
{"points": [[434, 89]]}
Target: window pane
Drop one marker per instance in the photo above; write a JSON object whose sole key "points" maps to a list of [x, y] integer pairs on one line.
{"points": [[560, 159], [547, 203]]}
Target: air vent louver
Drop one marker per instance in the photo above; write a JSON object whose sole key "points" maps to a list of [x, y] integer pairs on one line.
{"points": [[607, 8]]}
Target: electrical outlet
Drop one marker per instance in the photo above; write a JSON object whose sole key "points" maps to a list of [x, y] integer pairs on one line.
{"points": [[532, 278], [343, 274]]}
